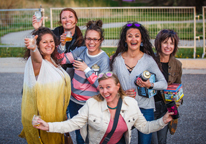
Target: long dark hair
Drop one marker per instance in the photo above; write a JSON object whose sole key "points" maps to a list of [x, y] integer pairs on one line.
{"points": [[122, 47], [40, 32]]}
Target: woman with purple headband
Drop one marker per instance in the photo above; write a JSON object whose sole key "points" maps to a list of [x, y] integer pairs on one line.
{"points": [[134, 55]]}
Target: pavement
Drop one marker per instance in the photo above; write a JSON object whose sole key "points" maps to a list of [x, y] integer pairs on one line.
{"points": [[16, 65], [191, 126]]}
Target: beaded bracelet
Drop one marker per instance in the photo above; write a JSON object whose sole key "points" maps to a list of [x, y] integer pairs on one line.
{"points": [[34, 49]]}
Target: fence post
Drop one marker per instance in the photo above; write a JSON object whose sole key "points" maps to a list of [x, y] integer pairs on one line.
{"points": [[194, 54], [51, 18], [203, 20], [43, 15]]}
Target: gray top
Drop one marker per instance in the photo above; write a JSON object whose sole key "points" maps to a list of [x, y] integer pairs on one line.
{"points": [[127, 79]]}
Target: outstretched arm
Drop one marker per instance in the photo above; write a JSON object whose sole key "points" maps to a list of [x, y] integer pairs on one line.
{"points": [[69, 125], [35, 54]]}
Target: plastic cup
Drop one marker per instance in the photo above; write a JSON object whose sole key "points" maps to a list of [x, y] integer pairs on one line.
{"points": [[34, 120], [32, 41], [68, 36], [38, 15]]}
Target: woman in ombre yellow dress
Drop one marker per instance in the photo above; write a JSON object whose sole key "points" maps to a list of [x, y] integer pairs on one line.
{"points": [[46, 88]]}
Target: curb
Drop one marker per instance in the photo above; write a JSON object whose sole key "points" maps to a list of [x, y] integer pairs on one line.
{"points": [[16, 65]]}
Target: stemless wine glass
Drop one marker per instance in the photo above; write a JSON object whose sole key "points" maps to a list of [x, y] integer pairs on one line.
{"points": [[32, 41], [38, 15], [68, 36]]}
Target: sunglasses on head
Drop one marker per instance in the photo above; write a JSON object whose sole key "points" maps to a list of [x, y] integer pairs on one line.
{"points": [[108, 74], [168, 31], [133, 24]]}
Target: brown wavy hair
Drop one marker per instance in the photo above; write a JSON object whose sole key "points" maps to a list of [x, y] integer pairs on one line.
{"points": [[80, 39], [121, 93], [163, 35], [40, 32]]}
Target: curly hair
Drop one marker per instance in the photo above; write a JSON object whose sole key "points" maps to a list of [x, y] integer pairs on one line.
{"points": [[163, 35], [122, 47], [40, 32], [121, 93], [97, 26]]}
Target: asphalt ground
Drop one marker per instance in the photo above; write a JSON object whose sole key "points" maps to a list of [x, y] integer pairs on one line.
{"points": [[191, 127]]}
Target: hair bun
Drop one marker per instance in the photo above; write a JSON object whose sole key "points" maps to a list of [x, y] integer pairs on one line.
{"points": [[98, 23]]}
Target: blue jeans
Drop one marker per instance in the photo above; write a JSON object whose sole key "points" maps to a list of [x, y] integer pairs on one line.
{"points": [[149, 116], [160, 137], [73, 110]]}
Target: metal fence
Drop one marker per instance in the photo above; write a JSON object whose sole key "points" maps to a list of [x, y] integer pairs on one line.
{"points": [[15, 25], [180, 19], [203, 21]]}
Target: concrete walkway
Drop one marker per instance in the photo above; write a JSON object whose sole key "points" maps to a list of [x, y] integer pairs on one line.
{"points": [[16, 65], [16, 39]]}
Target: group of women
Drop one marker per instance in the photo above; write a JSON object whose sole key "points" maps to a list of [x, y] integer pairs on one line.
{"points": [[97, 83]]}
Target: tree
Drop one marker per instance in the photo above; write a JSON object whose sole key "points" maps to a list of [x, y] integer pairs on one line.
{"points": [[8, 4], [197, 3]]}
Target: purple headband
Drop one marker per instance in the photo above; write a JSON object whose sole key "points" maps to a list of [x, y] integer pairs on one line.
{"points": [[131, 24]]}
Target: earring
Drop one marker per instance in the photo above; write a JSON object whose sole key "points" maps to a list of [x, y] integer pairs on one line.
{"points": [[125, 44], [141, 44]]}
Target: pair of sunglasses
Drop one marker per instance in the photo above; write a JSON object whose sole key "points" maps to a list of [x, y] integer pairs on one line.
{"points": [[108, 74], [133, 24], [168, 31]]}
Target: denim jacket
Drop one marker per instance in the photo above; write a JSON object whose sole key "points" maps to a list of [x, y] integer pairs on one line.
{"points": [[97, 115]]}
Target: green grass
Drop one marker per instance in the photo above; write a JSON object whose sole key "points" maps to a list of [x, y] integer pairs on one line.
{"points": [[182, 52], [12, 52]]}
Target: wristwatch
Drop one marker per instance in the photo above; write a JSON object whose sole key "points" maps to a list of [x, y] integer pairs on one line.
{"points": [[152, 85]]}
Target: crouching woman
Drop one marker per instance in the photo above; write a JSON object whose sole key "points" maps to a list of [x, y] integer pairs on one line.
{"points": [[101, 114]]}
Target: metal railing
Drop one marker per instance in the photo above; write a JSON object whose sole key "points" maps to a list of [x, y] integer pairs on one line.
{"points": [[203, 21], [15, 25], [180, 19]]}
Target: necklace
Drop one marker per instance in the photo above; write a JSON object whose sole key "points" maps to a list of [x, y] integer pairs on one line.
{"points": [[111, 107]]}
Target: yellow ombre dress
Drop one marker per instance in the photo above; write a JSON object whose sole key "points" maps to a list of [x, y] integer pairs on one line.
{"points": [[47, 96]]}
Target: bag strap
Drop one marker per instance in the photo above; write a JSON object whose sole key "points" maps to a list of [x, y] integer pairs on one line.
{"points": [[116, 118], [87, 137]]}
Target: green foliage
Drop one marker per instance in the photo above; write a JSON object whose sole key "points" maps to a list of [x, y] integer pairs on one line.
{"points": [[12, 52]]}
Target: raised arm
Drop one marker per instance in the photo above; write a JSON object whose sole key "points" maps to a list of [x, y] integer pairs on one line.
{"points": [[35, 54], [36, 24]]}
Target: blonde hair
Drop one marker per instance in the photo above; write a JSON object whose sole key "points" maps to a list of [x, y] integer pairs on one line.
{"points": [[121, 93]]}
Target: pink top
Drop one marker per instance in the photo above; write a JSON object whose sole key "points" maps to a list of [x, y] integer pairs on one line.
{"points": [[119, 131]]}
